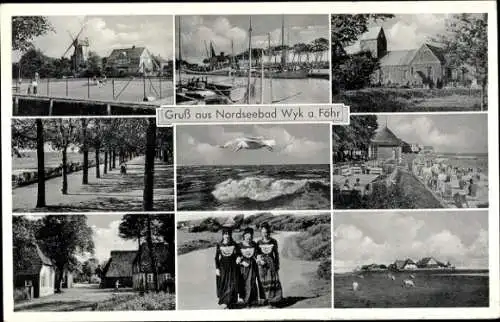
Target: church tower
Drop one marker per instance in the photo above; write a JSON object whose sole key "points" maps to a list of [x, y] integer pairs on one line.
{"points": [[374, 41]]}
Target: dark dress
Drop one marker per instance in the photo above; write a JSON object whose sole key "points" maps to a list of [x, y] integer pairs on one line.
{"points": [[228, 279], [268, 270], [251, 290]]}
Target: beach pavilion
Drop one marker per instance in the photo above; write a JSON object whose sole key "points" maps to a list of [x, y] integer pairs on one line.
{"points": [[385, 145]]}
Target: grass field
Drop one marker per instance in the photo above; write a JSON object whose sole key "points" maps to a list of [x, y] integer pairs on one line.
{"points": [[411, 100], [52, 159], [125, 90], [188, 242], [432, 289]]}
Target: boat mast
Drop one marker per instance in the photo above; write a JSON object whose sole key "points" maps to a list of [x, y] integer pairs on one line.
{"points": [[283, 50], [270, 72], [180, 52], [262, 76], [249, 60]]}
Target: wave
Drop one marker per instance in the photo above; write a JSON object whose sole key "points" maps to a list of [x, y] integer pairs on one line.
{"points": [[265, 188]]}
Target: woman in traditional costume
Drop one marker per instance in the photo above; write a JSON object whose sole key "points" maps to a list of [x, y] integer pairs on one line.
{"points": [[251, 290], [269, 265], [227, 258]]}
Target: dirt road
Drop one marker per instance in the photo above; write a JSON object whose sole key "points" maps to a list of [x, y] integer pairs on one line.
{"points": [[81, 297], [196, 274]]}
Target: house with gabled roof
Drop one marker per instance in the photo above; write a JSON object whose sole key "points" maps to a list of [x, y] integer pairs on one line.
{"points": [[406, 264], [35, 273], [423, 66], [143, 269], [431, 262], [132, 61], [119, 268]]}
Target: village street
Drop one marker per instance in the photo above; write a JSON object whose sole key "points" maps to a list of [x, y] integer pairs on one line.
{"points": [[81, 297], [112, 192]]}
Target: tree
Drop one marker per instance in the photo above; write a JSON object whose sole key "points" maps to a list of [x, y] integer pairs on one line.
{"points": [[63, 132], [24, 135], [152, 229], [355, 136], [62, 238], [26, 28], [149, 167], [466, 44], [22, 238], [85, 150], [89, 268], [33, 60], [94, 64]]}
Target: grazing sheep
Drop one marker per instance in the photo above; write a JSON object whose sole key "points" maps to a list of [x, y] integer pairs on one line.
{"points": [[391, 276], [361, 276], [355, 286], [412, 276], [408, 283]]}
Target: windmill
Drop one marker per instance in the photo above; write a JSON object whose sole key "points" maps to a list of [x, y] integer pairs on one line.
{"points": [[78, 56]]}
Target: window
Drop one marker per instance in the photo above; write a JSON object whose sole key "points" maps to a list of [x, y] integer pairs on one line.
{"points": [[150, 277], [429, 72]]}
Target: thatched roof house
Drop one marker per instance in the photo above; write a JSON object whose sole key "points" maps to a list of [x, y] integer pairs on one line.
{"points": [[35, 270], [143, 269], [119, 268]]}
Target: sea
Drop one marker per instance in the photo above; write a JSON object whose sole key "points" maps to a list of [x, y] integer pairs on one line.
{"points": [[253, 187], [284, 91], [466, 160]]}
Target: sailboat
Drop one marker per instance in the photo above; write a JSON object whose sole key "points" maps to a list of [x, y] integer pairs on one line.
{"points": [[199, 91], [283, 70]]}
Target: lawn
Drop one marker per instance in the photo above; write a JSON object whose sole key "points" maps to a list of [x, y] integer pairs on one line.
{"points": [[431, 290], [411, 100]]}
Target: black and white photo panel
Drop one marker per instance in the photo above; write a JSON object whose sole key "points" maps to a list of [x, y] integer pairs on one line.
{"points": [[417, 259], [91, 165], [410, 62], [91, 65], [258, 59], [100, 262], [259, 260], [411, 162], [253, 167]]}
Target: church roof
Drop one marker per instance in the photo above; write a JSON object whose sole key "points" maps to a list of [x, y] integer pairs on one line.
{"points": [[386, 137], [438, 52], [398, 57], [372, 33]]}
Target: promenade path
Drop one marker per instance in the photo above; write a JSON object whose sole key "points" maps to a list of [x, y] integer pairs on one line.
{"points": [[112, 192]]}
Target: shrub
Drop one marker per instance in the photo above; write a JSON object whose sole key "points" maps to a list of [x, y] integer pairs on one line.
{"points": [[146, 302], [324, 270]]}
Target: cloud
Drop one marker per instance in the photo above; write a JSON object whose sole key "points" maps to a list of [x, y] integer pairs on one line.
{"points": [[197, 32], [108, 33], [424, 130], [106, 240], [362, 242]]}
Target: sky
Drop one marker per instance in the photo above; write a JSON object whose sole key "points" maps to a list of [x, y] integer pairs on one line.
{"points": [[295, 144], [455, 133], [366, 238], [106, 239], [408, 31], [195, 30], [106, 33]]}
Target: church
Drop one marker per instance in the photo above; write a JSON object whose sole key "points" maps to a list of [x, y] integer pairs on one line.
{"points": [[421, 67]]}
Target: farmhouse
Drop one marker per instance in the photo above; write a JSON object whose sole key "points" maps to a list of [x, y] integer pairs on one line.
{"points": [[142, 269], [36, 272], [406, 264], [131, 61], [119, 268], [423, 66], [385, 145], [431, 262]]}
